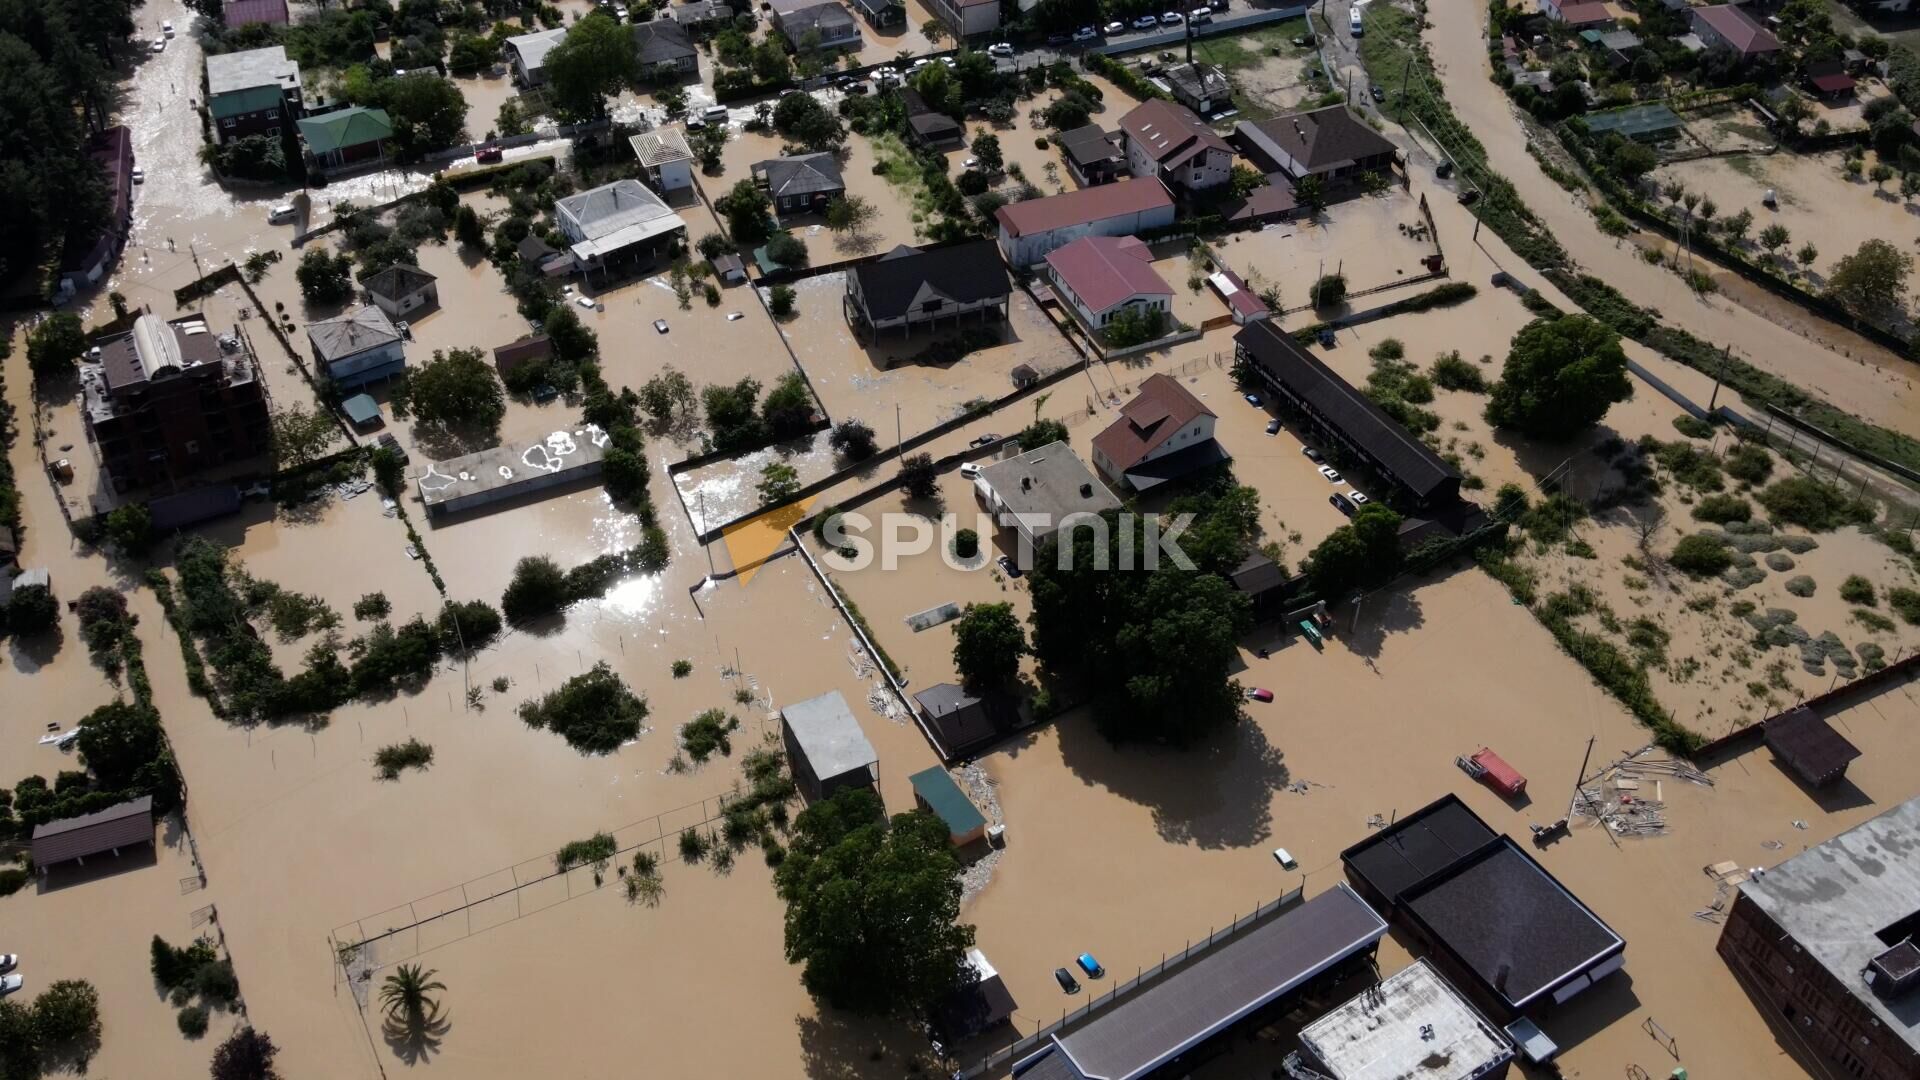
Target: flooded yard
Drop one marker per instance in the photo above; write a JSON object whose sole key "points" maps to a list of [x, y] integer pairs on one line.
{"points": [[1376, 241]]}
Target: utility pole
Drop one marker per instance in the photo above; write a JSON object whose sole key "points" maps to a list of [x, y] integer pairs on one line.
{"points": [[896, 429], [1726, 355]]}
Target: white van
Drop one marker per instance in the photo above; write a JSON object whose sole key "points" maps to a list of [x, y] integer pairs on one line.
{"points": [[281, 214], [715, 114], [1353, 22]]}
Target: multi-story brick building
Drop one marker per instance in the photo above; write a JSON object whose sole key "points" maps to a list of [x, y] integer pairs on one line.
{"points": [[168, 400], [1824, 942]]}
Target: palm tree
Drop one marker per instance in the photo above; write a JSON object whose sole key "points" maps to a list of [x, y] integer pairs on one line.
{"points": [[405, 996]]}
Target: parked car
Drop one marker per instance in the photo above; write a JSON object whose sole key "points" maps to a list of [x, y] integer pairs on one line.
{"points": [[1353, 23], [584, 301], [1330, 473], [167, 28], [388, 442], [1145, 22], [1000, 48], [970, 164], [11, 983], [489, 154], [1008, 567], [1343, 504], [660, 326], [970, 470], [1058, 39], [1091, 966], [920, 63], [1312, 454], [1200, 16], [1273, 426], [983, 440], [948, 61], [1085, 33], [9, 961], [855, 87], [1260, 694], [1172, 18], [159, 44], [139, 175], [1253, 400], [1113, 28], [281, 214], [1376, 93], [715, 114], [1066, 980], [1360, 498], [1285, 859]]}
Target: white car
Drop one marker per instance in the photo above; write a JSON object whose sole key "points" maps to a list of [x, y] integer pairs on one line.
{"points": [[139, 175], [660, 326], [970, 470], [587, 302], [159, 44], [1360, 498], [948, 61], [1330, 473], [1116, 28], [167, 28], [1000, 48], [970, 164], [920, 63], [283, 213], [1085, 33], [1172, 18], [9, 983]]}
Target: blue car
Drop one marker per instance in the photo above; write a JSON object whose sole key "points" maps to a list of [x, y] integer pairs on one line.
{"points": [[1091, 966]]}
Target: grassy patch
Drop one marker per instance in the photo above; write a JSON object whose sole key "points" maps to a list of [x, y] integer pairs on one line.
{"points": [[1251, 49], [392, 760], [597, 850]]}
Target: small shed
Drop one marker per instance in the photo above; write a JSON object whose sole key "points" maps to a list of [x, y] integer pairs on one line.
{"points": [[729, 269], [527, 350], [73, 839], [826, 747], [361, 410], [935, 792], [1023, 376], [961, 722], [1809, 747], [981, 1002]]}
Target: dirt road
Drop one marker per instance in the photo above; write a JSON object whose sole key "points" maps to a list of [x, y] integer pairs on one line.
{"points": [[1864, 380]]}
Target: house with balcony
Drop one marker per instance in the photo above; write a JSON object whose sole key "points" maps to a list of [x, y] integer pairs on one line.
{"points": [[909, 287], [360, 347], [253, 92], [1167, 142]]}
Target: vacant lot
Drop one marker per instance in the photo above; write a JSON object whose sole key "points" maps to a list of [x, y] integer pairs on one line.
{"points": [[1375, 240]]}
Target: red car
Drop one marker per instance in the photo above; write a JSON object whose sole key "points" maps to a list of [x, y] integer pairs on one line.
{"points": [[487, 155], [1258, 694]]}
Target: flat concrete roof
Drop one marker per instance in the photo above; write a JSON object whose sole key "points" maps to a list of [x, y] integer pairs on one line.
{"points": [[829, 735], [1836, 897], [1412, 1026], [1043, 487], [510, 466]]}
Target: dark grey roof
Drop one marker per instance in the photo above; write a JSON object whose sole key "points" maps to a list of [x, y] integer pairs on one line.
{"points": [[397, 281], [875, 7], [1179, 1012], [1153, 472], [928, 123], [802, 174], [795, 24], [960, 721], [1383, 437], [1507, 921], [963, 273], [1258, 574], [193, 506], [661, 41], [120, 826], [1425, 842], [1323, 137], [1088, 145], [1809, 745]]}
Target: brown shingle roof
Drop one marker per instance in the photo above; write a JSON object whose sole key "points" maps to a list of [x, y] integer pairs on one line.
{"points": [[1083, 206], [1161, 408], [1171, 133], [1739, 28], [1809, 745]]}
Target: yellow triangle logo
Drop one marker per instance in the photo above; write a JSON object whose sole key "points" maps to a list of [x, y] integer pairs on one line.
{"points": [[752, 542]]}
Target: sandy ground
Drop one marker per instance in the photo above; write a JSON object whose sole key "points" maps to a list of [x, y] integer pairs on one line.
{"points": [[861, 381], [1367, 239], [1850, 372], [1818, 203]]}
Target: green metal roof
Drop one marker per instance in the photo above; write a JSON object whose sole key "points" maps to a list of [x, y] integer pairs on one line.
{"points": [[936, 788], [361, 409], [348, 127], [250, 100]]}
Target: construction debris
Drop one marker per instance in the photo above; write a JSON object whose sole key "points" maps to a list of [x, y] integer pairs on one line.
{"points": [[1614, 797]]}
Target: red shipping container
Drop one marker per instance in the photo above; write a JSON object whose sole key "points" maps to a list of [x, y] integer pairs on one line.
{"points": [[1499, 775]]}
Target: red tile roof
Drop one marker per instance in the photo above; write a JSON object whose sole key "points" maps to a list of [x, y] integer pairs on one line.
{"points": [[1171, 133], [1584, 14], [239, 13], [1081, 207], [1161, 409], [1107, 270], [1832, 84]]}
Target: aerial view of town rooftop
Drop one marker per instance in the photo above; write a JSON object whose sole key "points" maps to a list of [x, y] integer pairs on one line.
{"points": [[1062, 539]]}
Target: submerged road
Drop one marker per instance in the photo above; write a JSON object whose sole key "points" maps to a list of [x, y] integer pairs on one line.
{"points": [[1859, 376]]}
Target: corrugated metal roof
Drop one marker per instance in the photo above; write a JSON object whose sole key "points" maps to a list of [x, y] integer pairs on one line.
{"points": [[119, 826]]}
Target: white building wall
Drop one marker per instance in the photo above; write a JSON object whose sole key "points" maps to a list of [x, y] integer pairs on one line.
{"points": [[1192, 435], [1034, 247]]}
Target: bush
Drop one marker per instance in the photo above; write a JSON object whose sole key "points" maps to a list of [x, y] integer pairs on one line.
{"points": [[1905, 603], [1802, 586], [709, 732], [538, 589], [12, 880], [597, 850], [1721, 509], [918, 477], [467, 626], [1811, 504], [372, 606], [412, 754], [1858, 590], [1451, 372], [193, 1021], [594, 711], [682, 668], [780, 301], [174, 968], [1749, 462], [1329, 290], [966, 543], [66, 1016], [1701, 555], [1692, 427], [32, 610], [694, 845], [246, 1055]]}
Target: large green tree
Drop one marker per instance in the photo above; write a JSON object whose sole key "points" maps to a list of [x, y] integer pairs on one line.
{"points": [[457, 390], [118, 741], [55, 345], [988, 642], [1152, 648], [1363, 552], [1872, 279], [596, 60], [873, 906], [1561, 377]]}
